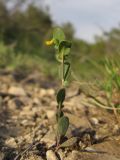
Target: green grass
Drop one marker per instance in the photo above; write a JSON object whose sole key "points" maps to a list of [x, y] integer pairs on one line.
{"points": [[11, 61], [84, 68]]}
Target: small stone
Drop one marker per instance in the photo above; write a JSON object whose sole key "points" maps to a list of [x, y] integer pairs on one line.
{"points": [[1, 101], [94, 121], [27, 123], [75, 155], [19, 139], [90, 149], [49, 138], [18, 91], [2, 156], [42, 92], [11, 142], [28, 138], [24, 122], [50, 92], [78, 121], [50, 155], [11, 105], [32, 157], [36, 101], [15, 103], [50, 113], [116, 129], [61, 154]]}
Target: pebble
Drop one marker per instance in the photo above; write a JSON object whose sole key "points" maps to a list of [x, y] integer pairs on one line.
{"points": [[18, 91], [15, 104], [12, 105], [50, 113], [61, 154], [28, 138], [50, 155], [11, 142], [36, 101], [42, 92], [32, 157], [75, 155], [49, 138], [46, 92], [50, 92], [94, 121], [2, 156]]}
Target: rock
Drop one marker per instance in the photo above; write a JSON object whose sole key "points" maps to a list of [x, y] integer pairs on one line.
{"points": [[42, 92], [11, 142], [50, 113], [27, 123], [32, 157], [15, 104], [46, 92], [11, 104], [50, 155], [1, 101], [116, 129], [94, 121], [73, 156], [2, 155], [27, 112], [36, 101], [50, 92], [18, 91], [49, 138], [78, 121], [61, 154], [20, 140], [28, 138]]}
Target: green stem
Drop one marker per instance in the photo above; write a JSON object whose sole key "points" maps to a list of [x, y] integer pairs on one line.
{"points": [[67, 70], [62, 69]]}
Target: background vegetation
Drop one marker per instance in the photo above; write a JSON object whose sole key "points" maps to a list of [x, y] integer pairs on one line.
{"points": [[24, 29]]}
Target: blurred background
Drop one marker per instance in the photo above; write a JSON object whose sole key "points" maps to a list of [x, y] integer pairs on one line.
{"points": [[93, 27]]}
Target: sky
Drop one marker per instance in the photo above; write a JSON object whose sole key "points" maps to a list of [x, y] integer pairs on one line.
{"points": [[89, 17]]}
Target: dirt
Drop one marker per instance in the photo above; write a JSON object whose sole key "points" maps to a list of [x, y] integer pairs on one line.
{"points": [[27, 122]]}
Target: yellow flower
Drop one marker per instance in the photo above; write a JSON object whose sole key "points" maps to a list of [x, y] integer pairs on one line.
{"points": [[49, 43]]}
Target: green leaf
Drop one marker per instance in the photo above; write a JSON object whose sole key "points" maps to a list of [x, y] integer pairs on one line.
{"points": [[64, 47], [59, 57], [58, 35], [63, 125], [69, 142], [61, 96]]}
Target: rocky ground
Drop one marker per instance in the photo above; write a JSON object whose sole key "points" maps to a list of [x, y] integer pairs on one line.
{"points": [[27, 120]]}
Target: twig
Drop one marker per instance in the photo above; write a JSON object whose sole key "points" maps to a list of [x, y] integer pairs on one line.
{"points": [[99, 105], [34, 143], [27, 149]]}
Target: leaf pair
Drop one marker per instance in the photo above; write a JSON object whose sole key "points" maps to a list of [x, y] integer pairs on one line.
{"points": [[60, 99], [63, 124], [63, 121], [62, 46], [61, 96], [68, 143], [63, 50]]}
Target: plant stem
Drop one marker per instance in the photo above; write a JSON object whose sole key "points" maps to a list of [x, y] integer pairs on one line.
{"points": [[62, 69]]}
